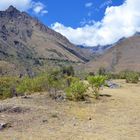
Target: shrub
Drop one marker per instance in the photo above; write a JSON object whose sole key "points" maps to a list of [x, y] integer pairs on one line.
{"points": [[91, 74], [55, 80], [7, 85], [123, 75], [132, 77], [102, 71], [69, 71], [30, 85], [96, 82], [76, 90]]}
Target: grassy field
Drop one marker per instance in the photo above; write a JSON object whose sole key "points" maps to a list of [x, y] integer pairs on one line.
{"points": [[41, 118]]}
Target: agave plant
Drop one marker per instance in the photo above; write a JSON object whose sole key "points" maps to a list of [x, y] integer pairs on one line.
{"points": [[96, 82]]}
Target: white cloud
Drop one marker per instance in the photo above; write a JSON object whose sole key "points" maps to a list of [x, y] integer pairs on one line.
{"points": [[105, 4], [119, 21], [89, 4], [39, 7], [20, 4], [24, 5]]}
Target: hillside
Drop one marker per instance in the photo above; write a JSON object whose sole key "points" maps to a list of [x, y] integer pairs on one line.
{"points": [[122, 56], [27, 43]]}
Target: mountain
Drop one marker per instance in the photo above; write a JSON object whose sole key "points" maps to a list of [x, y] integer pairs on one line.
{"points": [[124, 55], [26, 43], [92, 52], [95, 49]]}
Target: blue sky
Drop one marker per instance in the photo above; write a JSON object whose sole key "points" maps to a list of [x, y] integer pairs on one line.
{"points": [[85, 22], [74, 12]]}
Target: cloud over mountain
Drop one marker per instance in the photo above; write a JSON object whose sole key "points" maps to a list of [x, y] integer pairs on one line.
{"points": [[24, 5], [119, 21]]}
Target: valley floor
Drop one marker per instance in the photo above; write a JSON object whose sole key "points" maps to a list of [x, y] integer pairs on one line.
{"points": [[40, 118]]}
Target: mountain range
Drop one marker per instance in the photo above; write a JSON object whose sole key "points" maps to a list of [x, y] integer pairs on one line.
{"points": [[124, 55], [27, 44]]}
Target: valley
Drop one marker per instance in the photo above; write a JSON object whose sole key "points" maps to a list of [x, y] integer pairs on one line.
{"points": [[53, 89]]}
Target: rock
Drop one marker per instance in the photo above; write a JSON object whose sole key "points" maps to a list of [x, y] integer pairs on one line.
{"points": [[74, 124], [110, 84], [89, 119], [59, 98], [26, 97], [15, 110], [3, 116], [4, 125], [45, 121]]}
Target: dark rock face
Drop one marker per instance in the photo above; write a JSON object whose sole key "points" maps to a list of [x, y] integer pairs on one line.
{"points": [[12, 21]]}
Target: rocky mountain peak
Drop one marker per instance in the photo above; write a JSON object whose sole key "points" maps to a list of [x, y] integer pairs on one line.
{"points": [[12, 9]]}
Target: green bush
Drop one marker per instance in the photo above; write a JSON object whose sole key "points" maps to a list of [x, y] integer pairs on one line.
{"points": [[52, 81], [102, 71], [30, 85], [96, 82], [69, 71], [132, 77], [55, 81], [76, 91], [7, 85]]}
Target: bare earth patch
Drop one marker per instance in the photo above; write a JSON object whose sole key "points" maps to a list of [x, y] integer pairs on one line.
{"points": [[40, 118]]}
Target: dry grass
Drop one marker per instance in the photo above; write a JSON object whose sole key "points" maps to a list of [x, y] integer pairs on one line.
{"points": [[110, 118]]}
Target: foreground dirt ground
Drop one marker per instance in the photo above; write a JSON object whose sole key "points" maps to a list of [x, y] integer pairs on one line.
{"points": [[40, 118]]}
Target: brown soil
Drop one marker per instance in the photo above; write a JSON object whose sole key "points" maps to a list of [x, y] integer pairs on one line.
{"points": [[40, 118]]}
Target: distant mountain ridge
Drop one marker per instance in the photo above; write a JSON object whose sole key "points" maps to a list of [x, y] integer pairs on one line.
{"points": [[96, 49], [124, 55]]}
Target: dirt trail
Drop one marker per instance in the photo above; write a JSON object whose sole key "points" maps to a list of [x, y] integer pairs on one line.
{"points": [[40, 118]]}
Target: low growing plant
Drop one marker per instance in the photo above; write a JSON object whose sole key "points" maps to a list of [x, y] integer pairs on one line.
{"points": [[132, 77], [96, 82], [7, 85], [76, 91]]}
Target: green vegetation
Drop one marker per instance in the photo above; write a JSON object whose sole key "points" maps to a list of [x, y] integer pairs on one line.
{"points": [[7, 87], [102, 71], [96, 82], [132, 77], [62, 79], [129, 76], [29, 85], [51, 82], [77, 90], [69, 71]]}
